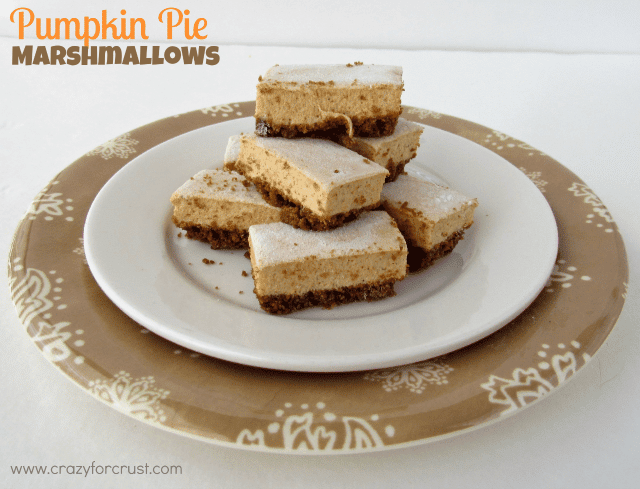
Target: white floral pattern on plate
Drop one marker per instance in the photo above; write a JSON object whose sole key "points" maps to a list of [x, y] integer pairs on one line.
{"points": [[80, 251], [528, 385], [600, 212], [534, 176], [424, 113], [120, 147], [34, 295], [564, 278], [223, 110], [414, 377], [499, 141], [303, 431], [50, 205], [139, 397]]}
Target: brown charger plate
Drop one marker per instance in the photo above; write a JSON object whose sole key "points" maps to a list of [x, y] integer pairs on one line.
{"points": [[113, 358]]}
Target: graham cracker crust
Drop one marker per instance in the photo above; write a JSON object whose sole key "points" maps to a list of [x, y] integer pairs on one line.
{"points": [[303, 219], [328, 299], [420, 259], [395, 170], [219, 239], [329, 129]]}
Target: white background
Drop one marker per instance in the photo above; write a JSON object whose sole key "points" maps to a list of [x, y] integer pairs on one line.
{"points": [[561, 76], [574, 26]]}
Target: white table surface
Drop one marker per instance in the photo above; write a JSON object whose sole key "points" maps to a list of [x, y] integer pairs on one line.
{"points": [[583, 110]]}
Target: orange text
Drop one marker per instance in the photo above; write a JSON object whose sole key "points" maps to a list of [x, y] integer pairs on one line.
{"points": [[91, 28]]}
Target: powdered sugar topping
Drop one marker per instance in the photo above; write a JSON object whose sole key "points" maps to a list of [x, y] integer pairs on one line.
{"points": [[434, 201], [277, 243], [220, 185], [233, 149], [325, 162], [339, 74]]}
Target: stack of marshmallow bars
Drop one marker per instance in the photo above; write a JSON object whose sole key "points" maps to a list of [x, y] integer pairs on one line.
{"points": [[318, 194]]}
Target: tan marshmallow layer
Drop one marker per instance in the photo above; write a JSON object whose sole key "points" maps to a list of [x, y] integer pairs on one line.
{"points": [[353, 99], [286, 260], [426, 213], [214, 203], [392, 152], [320, 176]]}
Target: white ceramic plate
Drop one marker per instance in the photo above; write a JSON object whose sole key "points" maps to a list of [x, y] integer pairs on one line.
{"points": [[160, 280]]}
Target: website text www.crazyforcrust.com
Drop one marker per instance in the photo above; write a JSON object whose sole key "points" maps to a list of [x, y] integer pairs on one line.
{"points": [[96, 469]]}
